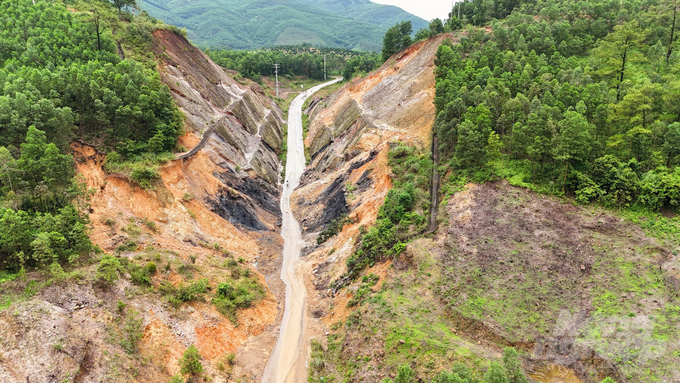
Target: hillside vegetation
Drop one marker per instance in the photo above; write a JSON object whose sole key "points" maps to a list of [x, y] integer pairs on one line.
{"points": [[580, 98], [297, 60], [573, 99], [253, 24], [62, 78], [88, 221], [366, 10]]}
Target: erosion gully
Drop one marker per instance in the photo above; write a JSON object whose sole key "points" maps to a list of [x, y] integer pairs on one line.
{"points": [[287, 363]]}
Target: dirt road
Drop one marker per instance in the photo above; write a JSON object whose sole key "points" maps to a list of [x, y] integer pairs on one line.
{"points": [[287, 363]]}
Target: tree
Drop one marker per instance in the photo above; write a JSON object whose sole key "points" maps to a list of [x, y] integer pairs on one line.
{"points": [[573, 141], [436, 27], [473, 137], [673, 37], [422, 34], [671, 142], [396, 39], [97, 23], [493, 148], [513, 366], [120, 4], [7, 168], [619, 49], [496, 374], [190, 363]]}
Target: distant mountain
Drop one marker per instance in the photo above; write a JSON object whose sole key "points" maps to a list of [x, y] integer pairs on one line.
{"points": [[250, 24], [366, 10]]}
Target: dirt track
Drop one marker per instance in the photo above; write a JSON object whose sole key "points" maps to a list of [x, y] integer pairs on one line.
{"points": [[287, 362]]}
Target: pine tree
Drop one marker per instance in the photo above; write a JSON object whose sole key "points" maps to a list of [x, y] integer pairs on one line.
{"points": [[618, 50]]}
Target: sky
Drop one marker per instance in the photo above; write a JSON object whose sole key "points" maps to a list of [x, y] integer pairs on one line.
{"points": [[427, 9]]}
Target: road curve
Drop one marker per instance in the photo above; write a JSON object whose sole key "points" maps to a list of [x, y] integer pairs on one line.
{"points": [[287, 363]]}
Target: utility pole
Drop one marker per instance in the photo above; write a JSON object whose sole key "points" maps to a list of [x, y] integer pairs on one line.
{"points": [[276, 71], [324, 67]]}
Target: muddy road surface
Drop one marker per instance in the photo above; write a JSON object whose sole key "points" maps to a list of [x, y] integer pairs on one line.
{"points": [[287, 363]]}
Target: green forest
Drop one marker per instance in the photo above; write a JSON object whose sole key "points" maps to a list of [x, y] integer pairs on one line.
{"points": [[253, 24], [296, 60], [62, 77], [578, 97]]}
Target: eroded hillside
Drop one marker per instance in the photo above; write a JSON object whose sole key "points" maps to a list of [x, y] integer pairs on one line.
{"points": [[581, 293], [212, 216], [349, 138]]}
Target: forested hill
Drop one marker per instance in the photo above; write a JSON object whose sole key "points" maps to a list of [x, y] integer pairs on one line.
{"points": [[249, 24], [64, 76], [366, 10], [579, 97]]}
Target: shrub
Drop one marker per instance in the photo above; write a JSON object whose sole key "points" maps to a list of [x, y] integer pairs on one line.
{"points": [[132, 331], [151, 268], [129, 245], [139, 275], [661, 189], [145, 177], [513, 366], [107, 271], [230, 298], [190, 363], [150, 224], [367, 282], [183, 293], [404, 375], [333, 228]]}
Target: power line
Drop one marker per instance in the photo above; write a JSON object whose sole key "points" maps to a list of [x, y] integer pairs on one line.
{"points": [[276, 71]]}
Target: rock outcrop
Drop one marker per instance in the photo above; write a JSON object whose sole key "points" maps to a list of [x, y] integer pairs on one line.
{"points": [[248, 125]]}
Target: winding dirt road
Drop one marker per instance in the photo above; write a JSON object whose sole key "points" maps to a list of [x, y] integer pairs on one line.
{"points": [[287, 363]]}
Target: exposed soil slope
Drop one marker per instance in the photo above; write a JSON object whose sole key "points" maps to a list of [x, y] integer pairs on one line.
{"points": [[348, 143], [221, 203], [577, 287], [580, 292], [248, 124]]}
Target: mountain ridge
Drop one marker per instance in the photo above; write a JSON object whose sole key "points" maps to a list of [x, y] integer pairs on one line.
{"points": [[252, 24]]}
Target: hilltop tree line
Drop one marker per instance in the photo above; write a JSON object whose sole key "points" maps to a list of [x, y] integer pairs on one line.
{"points": [[298, 60], [580, 97], [61, 78]]}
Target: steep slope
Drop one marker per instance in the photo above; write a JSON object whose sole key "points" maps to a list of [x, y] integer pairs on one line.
{"points": [[256, 23], [348, 140], [581, 293], [350, 137], [213, 215]]}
